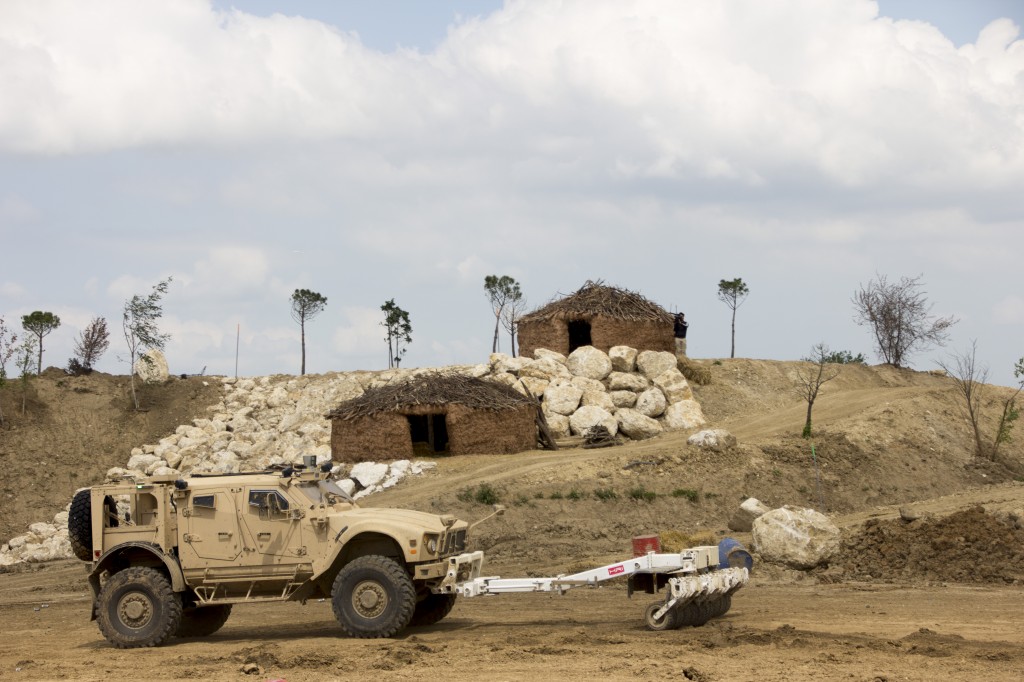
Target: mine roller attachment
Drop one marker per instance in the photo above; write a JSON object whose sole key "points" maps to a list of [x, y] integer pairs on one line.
{"points": [[699, 582]]}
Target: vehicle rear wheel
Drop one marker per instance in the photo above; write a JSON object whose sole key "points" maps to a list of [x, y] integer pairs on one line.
{"points": [[138, 608], [373, 596], [666, 622], [202, 621], [694, 614], [432, 609]]}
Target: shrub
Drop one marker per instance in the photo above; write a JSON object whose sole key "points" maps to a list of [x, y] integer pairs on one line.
{"points": [[575, 495], [689, 493], [641, 493], [557, 495], [486, 494], [605, 494]]}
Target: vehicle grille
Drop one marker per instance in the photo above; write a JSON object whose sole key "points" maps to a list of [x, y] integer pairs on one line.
{"points": [[453, 542]]}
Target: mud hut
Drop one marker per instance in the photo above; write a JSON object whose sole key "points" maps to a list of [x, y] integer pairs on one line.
{"points": [[433, 414], [600, 316]]}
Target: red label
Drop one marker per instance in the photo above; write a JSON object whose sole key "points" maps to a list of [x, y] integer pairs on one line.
{"points": [[615, 570]]}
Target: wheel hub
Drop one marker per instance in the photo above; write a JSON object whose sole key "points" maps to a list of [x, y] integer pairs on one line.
{"points": [[135, 610], [369, 599]]}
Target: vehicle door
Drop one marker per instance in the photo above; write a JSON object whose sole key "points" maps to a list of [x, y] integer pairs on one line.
{"points": [[273, 522], [210, 529]]}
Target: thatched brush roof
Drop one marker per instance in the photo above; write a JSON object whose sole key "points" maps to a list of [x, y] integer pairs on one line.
{"points": [[431, 389], [597, 298]]}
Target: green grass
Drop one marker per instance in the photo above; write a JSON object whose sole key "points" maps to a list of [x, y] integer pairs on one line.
{"points": [[576, 495], [605, 494]]}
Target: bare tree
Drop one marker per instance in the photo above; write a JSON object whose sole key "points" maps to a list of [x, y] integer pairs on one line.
{"points": [[8, 341], [306, 305], [92, 343], [971, 381], [898, 315], [139, 323], [810, 380], [510, 319], [501, 292], [24, 357], [733, 292]]}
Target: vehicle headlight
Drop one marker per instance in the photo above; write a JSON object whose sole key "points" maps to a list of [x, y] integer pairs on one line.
{"points": [[430, 542]]}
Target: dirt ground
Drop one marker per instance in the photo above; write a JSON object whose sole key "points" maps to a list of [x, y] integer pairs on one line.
{"points": [[939, 597]]}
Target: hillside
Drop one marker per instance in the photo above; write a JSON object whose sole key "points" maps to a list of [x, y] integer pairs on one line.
{"points": [[883, 436]]}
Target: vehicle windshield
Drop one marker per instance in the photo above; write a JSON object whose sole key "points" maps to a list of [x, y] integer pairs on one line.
{"points": [[326, 492]]}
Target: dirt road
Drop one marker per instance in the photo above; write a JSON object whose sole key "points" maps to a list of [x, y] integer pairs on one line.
{"points": [[797, 631]]}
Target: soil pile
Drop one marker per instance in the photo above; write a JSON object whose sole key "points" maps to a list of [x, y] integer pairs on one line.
{"points": [[968, 546]]}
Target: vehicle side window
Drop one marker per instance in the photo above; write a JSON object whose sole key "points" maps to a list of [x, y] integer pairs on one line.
{"points": [[262, 499], [205, 501]]}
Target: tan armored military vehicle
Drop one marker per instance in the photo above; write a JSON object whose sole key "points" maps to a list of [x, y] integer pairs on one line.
{"points": [[172, 556]]}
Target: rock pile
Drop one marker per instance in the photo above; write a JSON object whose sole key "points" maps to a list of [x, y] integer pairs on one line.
{"points": [[43, 542], [638, 394]]}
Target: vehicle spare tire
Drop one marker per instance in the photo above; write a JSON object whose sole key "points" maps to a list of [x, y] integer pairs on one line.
{"points": [[80, 524]]}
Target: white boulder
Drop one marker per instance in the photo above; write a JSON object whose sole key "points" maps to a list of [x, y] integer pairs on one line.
{"points": [[152, 367], [625, 398], [558, 424], [587, 361], [636, 425], [624, 381], [368, 474], [651, 403], [586, 417], [651, 363], [598, 398], [674, 385], [562, 399], [684, 415], [795, 536], [623, 358], [743, 520], [718, 440], [544, 353]]}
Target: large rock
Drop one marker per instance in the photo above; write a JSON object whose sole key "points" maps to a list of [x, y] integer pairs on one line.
{"points": [[368, 474], [589, 416], [651, 363], [795, 536], [625, 398], [152, 367], [543, 353], [500, 362], [624, 381], [743, 520], [558, 424], [562, 399], [684, 415], [598, 398], [623, 358], [587, 361], [674, 385], [718, 440], [651, 403], [544, 368], [535, 386], [636, 425]]}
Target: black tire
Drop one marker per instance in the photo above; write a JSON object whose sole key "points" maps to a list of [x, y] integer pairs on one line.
{"points": [[432, 609], [373, 596], [721, 606], [80, 525], [138, 608], [693, 615], [667, 622], [202, 621]]}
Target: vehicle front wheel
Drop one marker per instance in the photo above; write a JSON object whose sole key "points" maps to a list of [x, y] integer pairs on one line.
{"points": [[373, 596], [138, 608]]}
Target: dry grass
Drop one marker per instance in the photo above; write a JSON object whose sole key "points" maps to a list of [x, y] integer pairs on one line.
{"points": [[597, 298]]}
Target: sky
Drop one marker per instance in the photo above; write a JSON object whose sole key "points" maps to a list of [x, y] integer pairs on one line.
{"points": [[405, 150]]}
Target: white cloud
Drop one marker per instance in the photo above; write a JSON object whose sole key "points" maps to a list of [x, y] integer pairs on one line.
{"points": [[676, 90]]}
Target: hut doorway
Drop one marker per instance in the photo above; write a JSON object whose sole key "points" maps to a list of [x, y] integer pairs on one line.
{"points": [[579, 334], [429, 433]]}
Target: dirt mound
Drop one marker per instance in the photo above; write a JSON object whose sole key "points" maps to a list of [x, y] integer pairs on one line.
{"points": [[968, 546]]}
